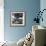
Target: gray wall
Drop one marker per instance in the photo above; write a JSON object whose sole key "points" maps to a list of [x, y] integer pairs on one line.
{"points": [[30, 7], [43, 6]]}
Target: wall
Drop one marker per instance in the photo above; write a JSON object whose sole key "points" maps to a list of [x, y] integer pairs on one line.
{"points": [[43, 6], [30, 7]]}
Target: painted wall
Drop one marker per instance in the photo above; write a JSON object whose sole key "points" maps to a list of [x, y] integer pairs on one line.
{"points": [[30, 7], [43, 6]]}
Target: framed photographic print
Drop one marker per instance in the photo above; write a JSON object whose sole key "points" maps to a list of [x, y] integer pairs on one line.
{"points": [[17, 18]]}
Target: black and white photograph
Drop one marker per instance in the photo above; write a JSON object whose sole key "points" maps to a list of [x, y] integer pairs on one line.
{"points": [[17, 18]]}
